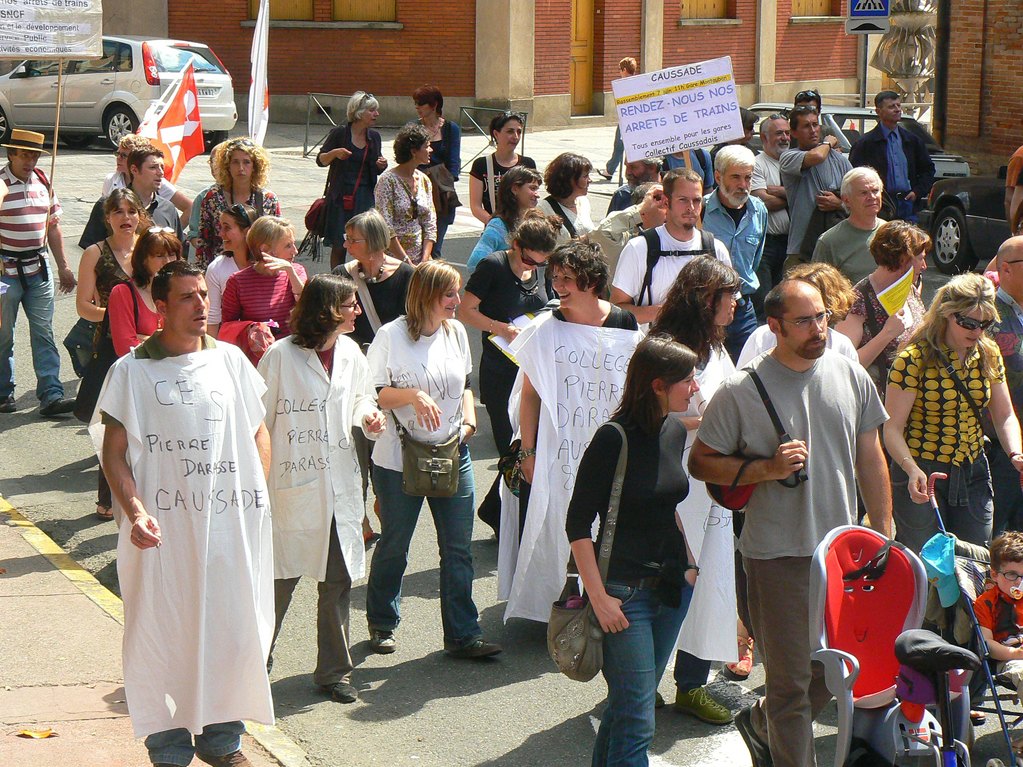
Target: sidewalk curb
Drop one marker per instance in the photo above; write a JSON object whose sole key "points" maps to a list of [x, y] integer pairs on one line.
{"points": [[278, 745]]}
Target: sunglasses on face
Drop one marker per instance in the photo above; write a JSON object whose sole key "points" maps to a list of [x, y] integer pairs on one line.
{"points": [[968, 323], [160, 230], [807, 95], [529, 261]]}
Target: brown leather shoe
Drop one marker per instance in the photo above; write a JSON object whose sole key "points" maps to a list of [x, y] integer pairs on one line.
{"points": [[237, 759]]}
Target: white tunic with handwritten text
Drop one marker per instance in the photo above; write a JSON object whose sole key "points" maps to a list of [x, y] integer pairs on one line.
{"points": [[198, 610]]}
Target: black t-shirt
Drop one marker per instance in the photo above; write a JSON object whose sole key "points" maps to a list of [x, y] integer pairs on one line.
{"points": [[388, 299], [655, 482], [503, 296], [480, 169], [618, 319]]}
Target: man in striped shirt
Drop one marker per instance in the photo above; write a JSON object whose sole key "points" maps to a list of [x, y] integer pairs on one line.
{"points": [[29, 220]]}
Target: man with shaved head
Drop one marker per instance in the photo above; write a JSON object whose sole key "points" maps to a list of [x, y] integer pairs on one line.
{"points": [[1008, 333], [806, 487]]}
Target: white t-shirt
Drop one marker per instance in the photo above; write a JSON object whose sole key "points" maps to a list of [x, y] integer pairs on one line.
{"points": [[763, 340], [581, 219], [632, 264], [438, 365], [117, 180], [220, 268], [767, 172]]}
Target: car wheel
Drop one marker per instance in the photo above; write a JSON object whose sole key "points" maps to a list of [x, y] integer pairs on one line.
{"points": [[118, 122], [5, 127], [952, 251], [76, 140]]}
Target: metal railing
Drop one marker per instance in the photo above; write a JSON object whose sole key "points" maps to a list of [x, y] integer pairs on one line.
{"points": [[468, 112], [310, 100]]}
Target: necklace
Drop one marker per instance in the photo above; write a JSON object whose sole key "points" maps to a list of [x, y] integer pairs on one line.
{"points": [[375, 278]]}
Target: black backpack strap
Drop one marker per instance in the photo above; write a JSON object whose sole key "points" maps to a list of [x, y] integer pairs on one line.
{"points": [[653, 254], [707, 241], [560, 213], [259, 203], [783, 435]]}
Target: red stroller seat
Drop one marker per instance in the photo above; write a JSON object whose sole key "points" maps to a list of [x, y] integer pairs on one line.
{"points": [[865, 590]]}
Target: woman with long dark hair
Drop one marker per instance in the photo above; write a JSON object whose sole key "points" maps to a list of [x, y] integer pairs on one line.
{"points": [[639, 607], [518, 193]]}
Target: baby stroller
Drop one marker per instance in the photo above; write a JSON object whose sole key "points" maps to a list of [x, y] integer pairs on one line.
{"points": [[957, 623]]}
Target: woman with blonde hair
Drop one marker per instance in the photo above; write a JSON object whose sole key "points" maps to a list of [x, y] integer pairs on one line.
{"points": [[420, 365], [258, 300], [242, 172], [837, 293], [939, 384], [896, 246]]}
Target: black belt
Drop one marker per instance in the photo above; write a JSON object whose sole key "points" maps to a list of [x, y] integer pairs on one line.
{"points": [[650, 582], [20, 256]]}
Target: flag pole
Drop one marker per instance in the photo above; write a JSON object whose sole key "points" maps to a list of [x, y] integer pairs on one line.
{"points": [[53, 157]]}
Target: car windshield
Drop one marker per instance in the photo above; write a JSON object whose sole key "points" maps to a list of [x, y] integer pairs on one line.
{"points": [[174, 58]]}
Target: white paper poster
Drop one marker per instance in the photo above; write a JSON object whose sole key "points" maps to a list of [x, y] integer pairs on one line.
{"points": [[48, 29], [692, 105]]}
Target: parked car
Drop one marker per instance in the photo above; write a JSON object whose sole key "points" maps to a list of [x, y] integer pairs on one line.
{"points": [[966, 219], [849, 123], [110, 95]]}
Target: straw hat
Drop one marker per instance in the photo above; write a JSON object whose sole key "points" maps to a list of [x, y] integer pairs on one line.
{"points": [[26, 139]]}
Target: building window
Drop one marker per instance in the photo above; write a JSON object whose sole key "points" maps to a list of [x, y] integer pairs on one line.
{"points": [[365, 10], [816, 7], [285, 10], [707, 9]]}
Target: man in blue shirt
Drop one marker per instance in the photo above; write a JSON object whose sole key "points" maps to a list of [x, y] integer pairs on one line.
{"points": [[899, 156], [740, 222]]}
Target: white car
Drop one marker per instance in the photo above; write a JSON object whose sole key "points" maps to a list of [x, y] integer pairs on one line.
{"points": [[111, 94]]}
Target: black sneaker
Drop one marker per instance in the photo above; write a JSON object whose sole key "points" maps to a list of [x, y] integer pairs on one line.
{"points": [[342, 692], [382, 642], [479, 648], [57, 407], [759, 751], [8, 405]]}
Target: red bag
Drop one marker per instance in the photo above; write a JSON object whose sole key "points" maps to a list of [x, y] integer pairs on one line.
{"points": [[316, 218], [733, 496]]}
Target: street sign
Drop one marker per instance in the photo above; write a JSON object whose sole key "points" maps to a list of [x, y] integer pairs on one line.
{"points": [[867, 26], [868, 8]]}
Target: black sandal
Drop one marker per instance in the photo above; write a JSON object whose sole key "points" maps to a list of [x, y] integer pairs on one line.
{"points": [[104, 512]]}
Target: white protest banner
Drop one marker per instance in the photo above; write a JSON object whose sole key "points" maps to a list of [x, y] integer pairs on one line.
{"points": [[678, 108], [49, 29]]}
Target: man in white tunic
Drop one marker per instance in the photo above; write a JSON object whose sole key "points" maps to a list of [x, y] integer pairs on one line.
{"points": [[185, 450]]}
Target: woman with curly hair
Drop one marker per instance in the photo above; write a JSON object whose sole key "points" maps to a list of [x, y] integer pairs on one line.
{"points": [[517, 193], [353, 155], [404, 197], [242, 172], [938, 385], [838, 295], [698, 308], [896, 246], [567, 179]]}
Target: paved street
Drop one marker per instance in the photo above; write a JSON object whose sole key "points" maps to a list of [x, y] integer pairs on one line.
{"points": [[418, 707]]}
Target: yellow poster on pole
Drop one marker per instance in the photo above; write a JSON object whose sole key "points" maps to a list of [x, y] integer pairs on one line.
{"points": [[893, 298]]}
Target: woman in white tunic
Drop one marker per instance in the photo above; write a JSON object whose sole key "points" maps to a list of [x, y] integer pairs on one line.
{"points": [[420, 365], [696, 312], [318, 387]]}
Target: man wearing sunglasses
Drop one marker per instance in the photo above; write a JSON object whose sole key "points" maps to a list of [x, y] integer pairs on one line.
{"points": [[805, 487]]}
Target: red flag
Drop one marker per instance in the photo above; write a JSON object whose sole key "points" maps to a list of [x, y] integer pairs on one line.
{"points": [[176, 127]]}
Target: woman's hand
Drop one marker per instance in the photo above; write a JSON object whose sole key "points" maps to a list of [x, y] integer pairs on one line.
{"points": [[374, 423], [340, 154], [608, 610], [506, 330], [427, 411], [274, 264], [1017, 462], [259, 337], [896, 324], [381, 163], [526, 466], [917, 484], [145, 532], [691, 574]]}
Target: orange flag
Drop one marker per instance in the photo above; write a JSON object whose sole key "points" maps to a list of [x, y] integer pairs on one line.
{"points": [[175, 127]]}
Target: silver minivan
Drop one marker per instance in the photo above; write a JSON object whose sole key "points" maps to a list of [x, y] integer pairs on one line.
{"points": [[109, 96]]}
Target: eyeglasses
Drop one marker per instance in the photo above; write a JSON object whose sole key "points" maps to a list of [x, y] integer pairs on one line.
{"points": [[354, 306], [1011, 575], [1014, 261], [968, 323], [160, 230], [735, 295], [346, 238], [121, 155], [817, 320]]}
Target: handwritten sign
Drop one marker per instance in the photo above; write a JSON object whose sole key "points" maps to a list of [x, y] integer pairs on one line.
{"points": [[51, 29], [678, 108]]}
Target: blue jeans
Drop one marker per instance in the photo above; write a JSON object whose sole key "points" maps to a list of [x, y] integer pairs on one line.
{"points": [[175, 746], [453, 518], [743, 324], [634, 661], [38, 303], [1008, 494], [617, 153]]}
